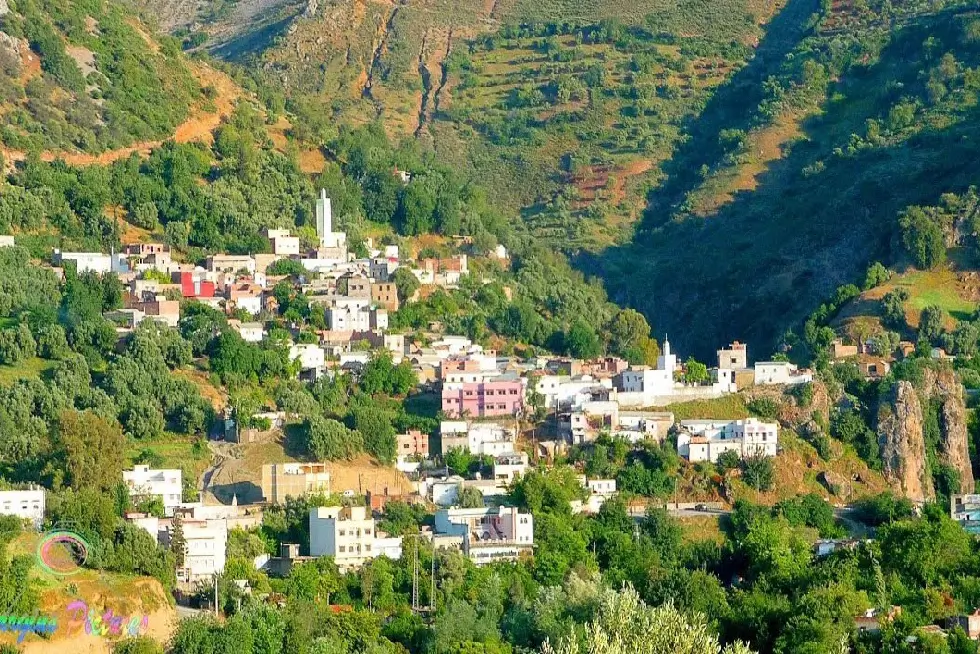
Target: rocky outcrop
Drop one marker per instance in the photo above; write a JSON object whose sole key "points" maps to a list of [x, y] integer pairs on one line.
{"points": [[4, 8], [835, 483], [903, 448], [943, 387]]}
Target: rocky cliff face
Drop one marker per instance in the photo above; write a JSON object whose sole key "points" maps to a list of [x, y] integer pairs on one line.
{"points": [[942, 386], [903, 448]]}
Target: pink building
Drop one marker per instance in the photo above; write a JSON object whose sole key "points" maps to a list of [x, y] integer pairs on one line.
{"points": [[490, 398]]}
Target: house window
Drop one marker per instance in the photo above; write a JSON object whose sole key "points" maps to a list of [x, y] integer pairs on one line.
{"points": [[343, 548], [342, 532]]}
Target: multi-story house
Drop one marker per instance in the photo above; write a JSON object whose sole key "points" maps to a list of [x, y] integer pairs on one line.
{"points": [[706, 440], [144, 482], [349, 535], [282, 480], [413, 443], [499, 397], [487, 438], [26, 504], [488, 534], [385, 294]]}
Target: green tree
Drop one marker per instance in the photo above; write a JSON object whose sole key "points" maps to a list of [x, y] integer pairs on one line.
{"points": [[923, 238], [329, 440], [582, 342], [758, 472], [405, 282], [932, 321], [625, 625], [695, 372], [87, 451]]}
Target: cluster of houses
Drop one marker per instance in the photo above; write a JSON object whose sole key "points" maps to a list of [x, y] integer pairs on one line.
{"points": [[355, 295]]}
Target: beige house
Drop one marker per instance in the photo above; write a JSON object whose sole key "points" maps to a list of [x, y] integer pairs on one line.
{"points": [[282, 480]]}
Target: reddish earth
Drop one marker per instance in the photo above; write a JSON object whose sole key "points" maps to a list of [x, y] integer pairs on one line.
{"points": [[595, 180]]}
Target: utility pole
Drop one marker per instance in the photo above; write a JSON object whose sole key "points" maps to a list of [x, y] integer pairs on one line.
{"points": [[415, 579], [432, 594], [216, 596]]}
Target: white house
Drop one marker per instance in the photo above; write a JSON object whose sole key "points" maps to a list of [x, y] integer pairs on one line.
{"points": [[509, 467], [569, 392], [96, 262], [488, 534], [652, 381], [206, 542], [144, 482], [780, 372], [26, 504], [348, 534], [250, 304], [641, 425], [282, 243], [488, 438], [251, 332], [310, 356], [6, 241], [605, 487], [706, 440]]}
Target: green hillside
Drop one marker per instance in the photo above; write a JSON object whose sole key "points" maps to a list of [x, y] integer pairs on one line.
{"points": [[885, 120], [767, 147], [82, 75]]}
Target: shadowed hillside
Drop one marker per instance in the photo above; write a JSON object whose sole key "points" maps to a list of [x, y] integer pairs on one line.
{"points": [[900, 130]]}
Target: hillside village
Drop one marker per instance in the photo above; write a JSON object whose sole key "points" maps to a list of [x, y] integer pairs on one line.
{"points": [[509, 327], [511, 414]]}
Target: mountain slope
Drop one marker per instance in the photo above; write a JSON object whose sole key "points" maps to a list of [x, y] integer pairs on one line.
{"points": [[84, 76], [887, 119]]}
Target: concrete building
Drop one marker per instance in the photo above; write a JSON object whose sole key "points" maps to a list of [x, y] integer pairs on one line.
{"points": [[348, 317], [508, 467], [144, 482], [348, 534], [25, 504], [489, 438], [385, 294], [251, 332], [489, 534], [310, 356], [231, 263], [635, 426], [733, 357], [282, 243], [206, 542], [970, 624], [96, 262], [965, 509], [282, 480], [780, 372], [706, 440], [6, 241], [500, 397], [568, 392], [413, 443], [651, 381]]}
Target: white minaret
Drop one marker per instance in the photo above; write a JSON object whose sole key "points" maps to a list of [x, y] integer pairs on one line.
{"points": [[667, 361], [324, 217]]}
